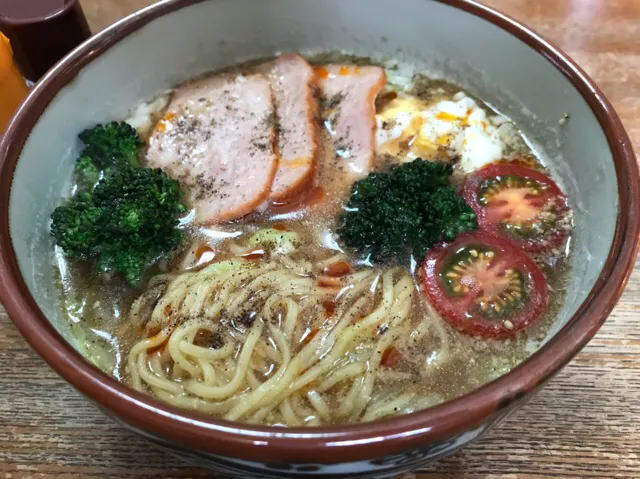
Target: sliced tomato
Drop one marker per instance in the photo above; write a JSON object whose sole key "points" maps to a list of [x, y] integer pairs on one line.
{"points": [[521, 204], [484, 285]]}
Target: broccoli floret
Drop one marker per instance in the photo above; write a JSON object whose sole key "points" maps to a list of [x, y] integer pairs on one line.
{"points": [[128, 219], [106, 147], [409, 208], [110, 144], [87, 173], [450, 214], [74, 229], [127, 223]]}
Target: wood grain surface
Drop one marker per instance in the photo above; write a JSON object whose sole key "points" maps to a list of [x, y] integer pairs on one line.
{"points": [[584, 424]]}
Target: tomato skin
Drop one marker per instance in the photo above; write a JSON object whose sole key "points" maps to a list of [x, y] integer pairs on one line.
{"points": [[456, 311], [541, 244]]}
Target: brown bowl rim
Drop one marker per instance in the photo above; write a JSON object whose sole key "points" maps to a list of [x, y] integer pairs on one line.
{"points": [[332, 444]]}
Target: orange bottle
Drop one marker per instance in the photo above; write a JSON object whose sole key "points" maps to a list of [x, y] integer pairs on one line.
{"points": [[12, 87]]}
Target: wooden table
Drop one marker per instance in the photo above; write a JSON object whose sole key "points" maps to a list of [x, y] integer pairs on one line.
{"points": [[584, 424]]}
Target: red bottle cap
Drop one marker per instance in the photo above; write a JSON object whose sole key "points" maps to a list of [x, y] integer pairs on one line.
{"points": [[42, 32]]}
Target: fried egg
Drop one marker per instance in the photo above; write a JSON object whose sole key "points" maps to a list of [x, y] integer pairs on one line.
{"points": [[409, 128]]}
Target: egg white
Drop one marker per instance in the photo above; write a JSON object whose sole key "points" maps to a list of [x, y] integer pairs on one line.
{"points": [[447, 129]]}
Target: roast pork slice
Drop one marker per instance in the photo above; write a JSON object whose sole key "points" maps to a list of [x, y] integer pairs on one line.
{"points": [[293, 82], [350, 93], [218, 139]]}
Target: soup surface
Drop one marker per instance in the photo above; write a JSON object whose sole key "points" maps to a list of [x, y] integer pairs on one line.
{"points": [[357, 241]]}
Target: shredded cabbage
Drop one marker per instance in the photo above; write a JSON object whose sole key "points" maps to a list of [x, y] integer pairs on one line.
{"points": [[281, 242]]}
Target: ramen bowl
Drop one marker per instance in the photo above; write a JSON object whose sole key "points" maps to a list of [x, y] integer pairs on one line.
{"points": [[520, 74]]}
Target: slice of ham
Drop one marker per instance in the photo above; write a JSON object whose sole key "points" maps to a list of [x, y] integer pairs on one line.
{"points": [[218, 139], [292, 81], [350, 93]]}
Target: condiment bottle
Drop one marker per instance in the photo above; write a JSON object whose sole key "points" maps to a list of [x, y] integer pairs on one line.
{"points": [[12, 87], [42, 32]]}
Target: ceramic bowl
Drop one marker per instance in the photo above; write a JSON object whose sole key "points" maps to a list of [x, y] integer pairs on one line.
{"points": [[489, 54]]}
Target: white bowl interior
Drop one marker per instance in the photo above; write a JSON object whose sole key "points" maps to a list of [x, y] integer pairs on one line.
{"points": [[444, 41]]}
